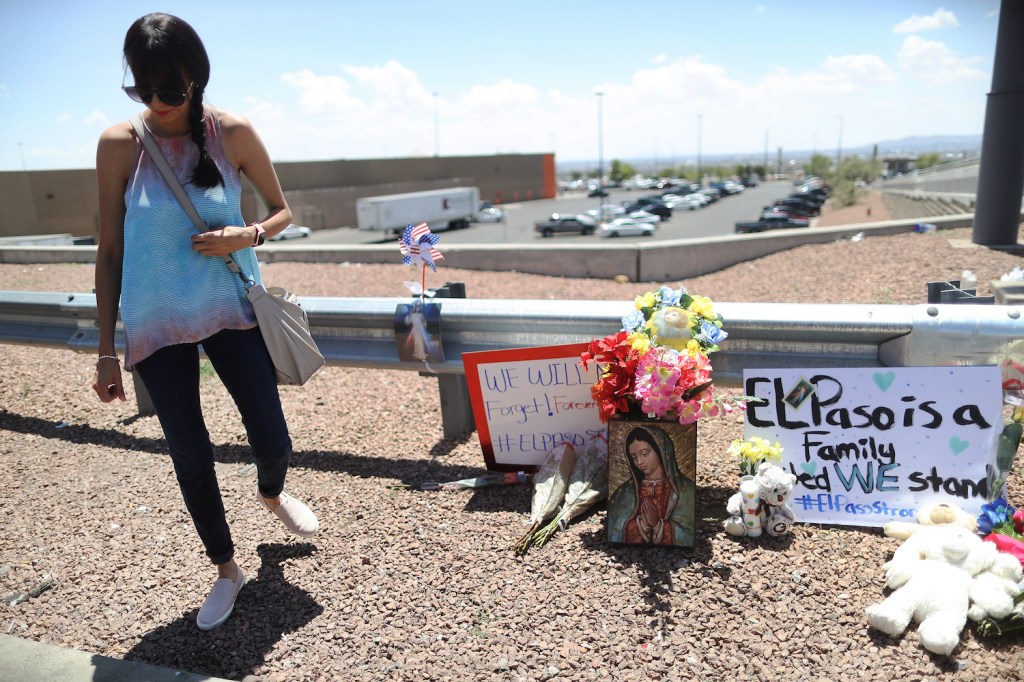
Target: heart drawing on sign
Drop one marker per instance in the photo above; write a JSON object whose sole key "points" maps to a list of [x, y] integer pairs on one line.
{"points": [[883, 380], [957, 445], [809, 467]]}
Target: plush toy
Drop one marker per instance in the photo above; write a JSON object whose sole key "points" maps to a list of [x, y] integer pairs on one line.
{"points": [[768, 509], [672, 327], [932, 515], [932, 574], [994, 589]]}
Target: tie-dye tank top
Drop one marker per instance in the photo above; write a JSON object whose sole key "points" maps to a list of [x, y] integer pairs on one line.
{"points": [[169, 293]]}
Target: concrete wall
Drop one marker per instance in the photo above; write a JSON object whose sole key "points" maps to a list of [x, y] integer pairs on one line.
{"points": [[321, 193], [655, 262]]}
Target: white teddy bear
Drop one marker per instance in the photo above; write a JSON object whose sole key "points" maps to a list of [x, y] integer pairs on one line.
{"points": [[932, 574], [994, 589], [769, 510]]}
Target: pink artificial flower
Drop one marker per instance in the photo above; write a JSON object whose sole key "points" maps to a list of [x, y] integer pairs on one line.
{"points": [[656, 377], [1018, 521]]}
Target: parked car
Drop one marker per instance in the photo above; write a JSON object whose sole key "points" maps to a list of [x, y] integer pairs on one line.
{"points": [[490, 215], [598, 192], [644, 217], [607, 211], [808, 208], [656, 207], [770, 222], [581, 224], [626, 227], [292, 232]]}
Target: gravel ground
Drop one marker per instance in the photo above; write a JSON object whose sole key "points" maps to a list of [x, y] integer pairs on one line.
{"points": [[424, 586]]}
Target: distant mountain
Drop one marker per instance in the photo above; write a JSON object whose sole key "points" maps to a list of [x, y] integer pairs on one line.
{"points": [[910, 146], [918, 144]]}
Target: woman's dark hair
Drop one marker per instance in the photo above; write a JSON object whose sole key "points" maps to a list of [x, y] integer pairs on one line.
{"points": [[643, 435], [165, 53]]}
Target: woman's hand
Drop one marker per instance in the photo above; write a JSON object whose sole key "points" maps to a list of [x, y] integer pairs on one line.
{"points": [[223, 240], [107, 382]]}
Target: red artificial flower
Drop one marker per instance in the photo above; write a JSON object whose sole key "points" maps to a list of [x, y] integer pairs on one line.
{"points": [[1008, 545]]}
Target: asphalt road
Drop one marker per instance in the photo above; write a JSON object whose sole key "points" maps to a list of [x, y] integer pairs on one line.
{"points": [[713, 220]]}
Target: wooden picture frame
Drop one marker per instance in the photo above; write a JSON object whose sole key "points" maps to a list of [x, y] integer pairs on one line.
{"points": [[652, 474]]}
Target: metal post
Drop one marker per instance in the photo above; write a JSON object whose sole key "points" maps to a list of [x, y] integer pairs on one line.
{"points": [[600, 156], [456, 408], [1001, 176]]}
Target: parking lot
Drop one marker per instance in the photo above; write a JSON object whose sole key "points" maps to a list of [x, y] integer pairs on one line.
{"points": [[716, 219]]}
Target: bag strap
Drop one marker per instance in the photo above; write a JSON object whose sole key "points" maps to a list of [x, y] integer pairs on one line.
{"points": [[172, 181]]}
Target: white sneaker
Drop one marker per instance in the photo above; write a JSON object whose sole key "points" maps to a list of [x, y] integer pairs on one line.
{"points": [[221, 602], [297, 517]]}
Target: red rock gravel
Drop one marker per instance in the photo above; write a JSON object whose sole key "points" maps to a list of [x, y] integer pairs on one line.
{"points": [[425, 586]]}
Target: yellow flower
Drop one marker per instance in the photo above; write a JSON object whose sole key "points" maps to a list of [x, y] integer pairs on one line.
{"points": [[639, 341], [645, 301], [703, 307], [693, 348]]}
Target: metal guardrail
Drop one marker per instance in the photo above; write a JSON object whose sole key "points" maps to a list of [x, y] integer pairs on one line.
{"points": [[359, 332]]}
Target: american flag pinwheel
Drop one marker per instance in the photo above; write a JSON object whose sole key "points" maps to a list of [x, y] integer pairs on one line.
{"points": [[417, 246]]}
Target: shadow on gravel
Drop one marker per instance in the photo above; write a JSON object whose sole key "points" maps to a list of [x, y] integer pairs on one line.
{"points": [[409, 471], [268, 608]]}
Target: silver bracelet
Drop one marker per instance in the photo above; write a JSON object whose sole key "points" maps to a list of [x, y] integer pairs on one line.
{"points": [[108, 357]]}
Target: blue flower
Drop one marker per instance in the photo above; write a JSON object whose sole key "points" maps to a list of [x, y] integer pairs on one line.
{"points": [[711, 334], [633, 321], [670, 297], [994, 514]]}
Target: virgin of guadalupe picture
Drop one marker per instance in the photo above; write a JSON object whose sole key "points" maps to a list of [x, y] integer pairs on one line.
{"points": [[651, 472], [418, 332]]}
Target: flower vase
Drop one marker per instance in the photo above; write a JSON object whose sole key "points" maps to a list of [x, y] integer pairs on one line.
{"points": [[652, 472]]}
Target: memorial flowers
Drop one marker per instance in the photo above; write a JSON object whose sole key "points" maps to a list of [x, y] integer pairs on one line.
{"points": [[753, 451], [658, 362], [1003, 526]]}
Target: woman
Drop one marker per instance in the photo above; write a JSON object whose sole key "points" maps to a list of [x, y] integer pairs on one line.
{"points": [[175, 290], [656, 505]]}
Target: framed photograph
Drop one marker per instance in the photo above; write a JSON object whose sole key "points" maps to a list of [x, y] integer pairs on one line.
{"points": [[652, 470], [418, 332]]}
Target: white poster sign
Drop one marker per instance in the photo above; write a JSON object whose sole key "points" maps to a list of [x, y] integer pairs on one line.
{"points": [[528, 400], [869, 446]]}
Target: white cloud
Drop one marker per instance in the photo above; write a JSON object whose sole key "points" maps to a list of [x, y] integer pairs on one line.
{"points": [[63, 118], [934, 63], [320, 94], [4, 91], [386, 110], [939, 20], [760, 8], [96, 117], [868, 66]]}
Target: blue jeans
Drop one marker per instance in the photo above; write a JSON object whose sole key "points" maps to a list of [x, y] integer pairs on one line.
{"points": [[171, 375]]}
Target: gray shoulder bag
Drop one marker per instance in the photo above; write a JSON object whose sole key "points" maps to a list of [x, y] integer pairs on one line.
{"points": [[282, 322]]}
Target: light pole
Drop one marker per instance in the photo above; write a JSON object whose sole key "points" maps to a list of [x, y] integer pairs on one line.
{"points": [[437, 130], [600, 155], [839, 144], [700, 167]]}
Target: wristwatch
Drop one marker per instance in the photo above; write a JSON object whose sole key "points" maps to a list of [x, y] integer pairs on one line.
{"points": [[261, 234]]}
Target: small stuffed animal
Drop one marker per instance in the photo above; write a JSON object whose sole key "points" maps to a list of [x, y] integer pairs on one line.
{"points": [[774, 490], [994, 589], [932, 515], [672, 327], [932, 573]]}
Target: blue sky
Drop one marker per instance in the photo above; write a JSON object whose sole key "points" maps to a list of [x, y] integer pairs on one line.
{"points": [[335, 79]]}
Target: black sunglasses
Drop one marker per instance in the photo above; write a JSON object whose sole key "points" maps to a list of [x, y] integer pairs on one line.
{"points": [[168, 97]]}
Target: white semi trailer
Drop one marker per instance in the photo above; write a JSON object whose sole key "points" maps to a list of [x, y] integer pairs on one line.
{"points": [[441, 209]]}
